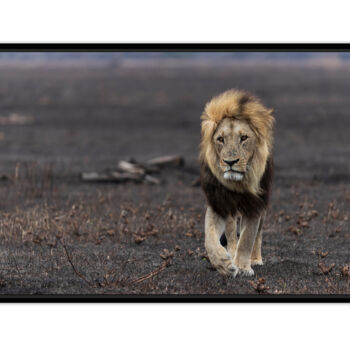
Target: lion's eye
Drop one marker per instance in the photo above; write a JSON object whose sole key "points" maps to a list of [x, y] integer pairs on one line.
{"points": [[220, 139], [243, 138]]}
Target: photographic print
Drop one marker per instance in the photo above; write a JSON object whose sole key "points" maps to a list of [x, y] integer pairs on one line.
{"points": [[175, 171]]}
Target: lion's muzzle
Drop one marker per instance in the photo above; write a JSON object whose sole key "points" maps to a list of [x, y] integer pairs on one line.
{"points": [[233, 175]]}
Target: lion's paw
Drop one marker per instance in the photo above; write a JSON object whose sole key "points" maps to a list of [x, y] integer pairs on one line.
{"points": [[242, 271], [221, 261], [257, 262]]}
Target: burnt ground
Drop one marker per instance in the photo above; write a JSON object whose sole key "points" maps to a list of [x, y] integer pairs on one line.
{"points": [[62, 236]]}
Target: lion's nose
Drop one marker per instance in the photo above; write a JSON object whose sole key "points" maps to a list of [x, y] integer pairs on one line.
{"points": [[231, 162]]}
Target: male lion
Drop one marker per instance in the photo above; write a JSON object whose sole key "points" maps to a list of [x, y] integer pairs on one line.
{"points": [[236, 172]]}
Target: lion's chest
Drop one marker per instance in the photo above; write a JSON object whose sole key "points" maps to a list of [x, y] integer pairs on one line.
{"points": [[226, 202]]}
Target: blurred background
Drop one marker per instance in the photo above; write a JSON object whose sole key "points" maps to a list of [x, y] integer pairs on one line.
{"points": [[79, 108]]}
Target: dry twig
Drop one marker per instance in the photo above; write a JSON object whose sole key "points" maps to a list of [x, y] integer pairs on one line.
{"points": [[153, 273], [324, 269], [74, 268]]}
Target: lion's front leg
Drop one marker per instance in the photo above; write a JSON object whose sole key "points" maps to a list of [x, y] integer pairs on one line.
{"points": [[231, 234], [218, 255], [242, 259], [256, 258]]}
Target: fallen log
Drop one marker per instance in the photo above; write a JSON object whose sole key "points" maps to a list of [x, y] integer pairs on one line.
{"points": [[151, 180], [134, 171], [114, 176], [111, 176], [164, 161], [132, 168]]}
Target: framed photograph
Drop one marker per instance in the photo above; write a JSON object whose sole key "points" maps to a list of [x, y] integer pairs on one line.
{"points": [[174, 172]]}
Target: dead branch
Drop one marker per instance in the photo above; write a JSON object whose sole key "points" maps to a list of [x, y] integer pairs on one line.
{"points": [[133, 171], [131, 168], [73, 267], [110, 176], [176, 161], [151, 180], [153, 273]]}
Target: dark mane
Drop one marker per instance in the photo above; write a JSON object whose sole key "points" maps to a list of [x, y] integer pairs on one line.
{"points": [[224, 201]]}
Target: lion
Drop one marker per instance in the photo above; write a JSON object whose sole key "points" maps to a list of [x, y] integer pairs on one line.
{"points": [[235, 174]]}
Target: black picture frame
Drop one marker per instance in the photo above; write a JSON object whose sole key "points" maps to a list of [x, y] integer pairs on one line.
{"points": [[174, 47]]}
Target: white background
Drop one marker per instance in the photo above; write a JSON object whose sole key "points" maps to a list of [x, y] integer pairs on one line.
{"points": [[174, 21], [174, 326]]}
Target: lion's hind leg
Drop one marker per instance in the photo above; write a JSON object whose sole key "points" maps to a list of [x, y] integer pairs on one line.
{"points": [[218, 255]]}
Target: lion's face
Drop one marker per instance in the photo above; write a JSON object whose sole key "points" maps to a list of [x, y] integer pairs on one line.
{"points": [[236, 140], [234, 143]]}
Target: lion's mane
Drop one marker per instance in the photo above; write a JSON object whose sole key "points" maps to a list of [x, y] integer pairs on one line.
{"points": [[250, 194]]}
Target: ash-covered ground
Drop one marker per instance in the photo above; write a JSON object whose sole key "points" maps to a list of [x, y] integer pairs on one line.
{"points": [[60, 235]]}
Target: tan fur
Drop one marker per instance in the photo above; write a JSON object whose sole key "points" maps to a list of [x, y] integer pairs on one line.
{"points": [[260, 120], [246, 251], [256, 258], [242, 259], [231, 235], [218, 255]]}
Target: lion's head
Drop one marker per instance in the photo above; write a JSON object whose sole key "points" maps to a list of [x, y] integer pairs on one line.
{"points": [[236, 140]]}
